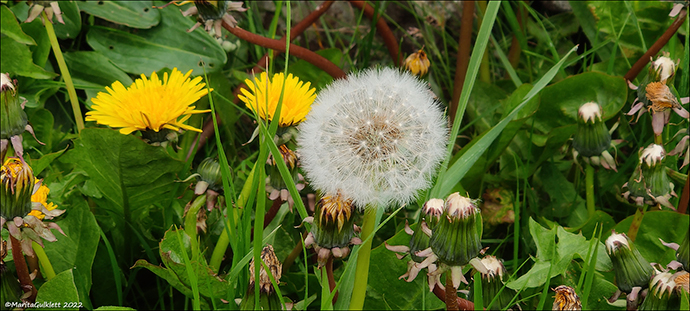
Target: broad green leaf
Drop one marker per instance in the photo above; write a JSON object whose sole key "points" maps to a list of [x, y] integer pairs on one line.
{"points": [[10, 27], [666, 225], [134, 14], [92, 72], [129, 173], [561, 101], [563, 199], [76, 250], [570, 244], [167, 45], [544, 239], [58, 291], [42, 122], [42, 49], [16, 58], [42, 163], [385, 291]]}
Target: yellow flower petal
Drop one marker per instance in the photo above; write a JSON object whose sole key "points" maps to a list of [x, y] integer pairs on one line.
{"points": [[262, 96], [149, 103]]}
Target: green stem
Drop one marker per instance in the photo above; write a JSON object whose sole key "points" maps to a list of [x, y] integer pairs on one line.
{"points": [[362, 271], [636, 222], [43, 259], [190, 222], [658, 140], [76, 109], [589, 189]]}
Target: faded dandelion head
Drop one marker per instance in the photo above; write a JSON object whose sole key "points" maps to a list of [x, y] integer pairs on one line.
{"points": [[377, 137]]}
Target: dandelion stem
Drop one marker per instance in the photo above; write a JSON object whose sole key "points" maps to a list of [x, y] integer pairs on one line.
{"points": [[589, 189], [43, 259], [362, 273], [190, 222], [451, 294], [76, 109], [462, 64], [331, 278], [22, 269], [636, 222]]}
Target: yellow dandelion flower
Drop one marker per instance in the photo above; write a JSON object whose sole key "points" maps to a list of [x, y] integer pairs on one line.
{"points": [[263, 94], [41, 196], [153, 104]]}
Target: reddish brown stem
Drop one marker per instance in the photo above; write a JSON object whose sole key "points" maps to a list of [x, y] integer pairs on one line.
{"points": [[685, 197], [464, 46], [331, 278], [22, 269], [298, 29], [451, 294], [279, 45], [271, 213], [463, 304], [656, 47], [515, 49], [290, 259], [382, 27]]}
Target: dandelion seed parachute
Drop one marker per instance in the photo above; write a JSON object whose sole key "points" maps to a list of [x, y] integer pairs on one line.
{"points": [[378, 137]]}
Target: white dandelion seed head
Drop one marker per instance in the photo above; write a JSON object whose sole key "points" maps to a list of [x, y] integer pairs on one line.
{"points": [[378, 137]]}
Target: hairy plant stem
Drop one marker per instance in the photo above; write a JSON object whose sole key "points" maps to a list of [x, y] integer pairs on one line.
{"points": [[656, 47], [382, 27], [362, 272], [76, 109], [190, 222], [463, 60], [589, 189], [43, 259], [22, 269], [451, 294], [463, 304], [636, 222]]}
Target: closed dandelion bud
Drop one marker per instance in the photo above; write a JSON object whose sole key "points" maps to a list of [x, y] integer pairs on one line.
{"points": [[492, 282], [275, 180], [663, 293], [419, 241], [663, 69], [631, 268], [269, 300], [457, 237], [211, 10], [649, 183], [566, 299], [592, 138], [417, 63], [209, 176], [433, 209], [684, 252], [18, 181], [333, 221], [13, 119]]}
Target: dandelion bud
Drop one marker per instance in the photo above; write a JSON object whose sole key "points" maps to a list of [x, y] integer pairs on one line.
{"points": [[492, 282], [419, 241], [18, 181], [683, 252], [333, 230], [269, 300], [13, 119], [592, 138], [209, 176], [566, 299], [457, 237], [50, 7], [662, 69], [275, 185], [433, 209], [417, 63], [631, 268], [663, 293], [649, 183]]}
